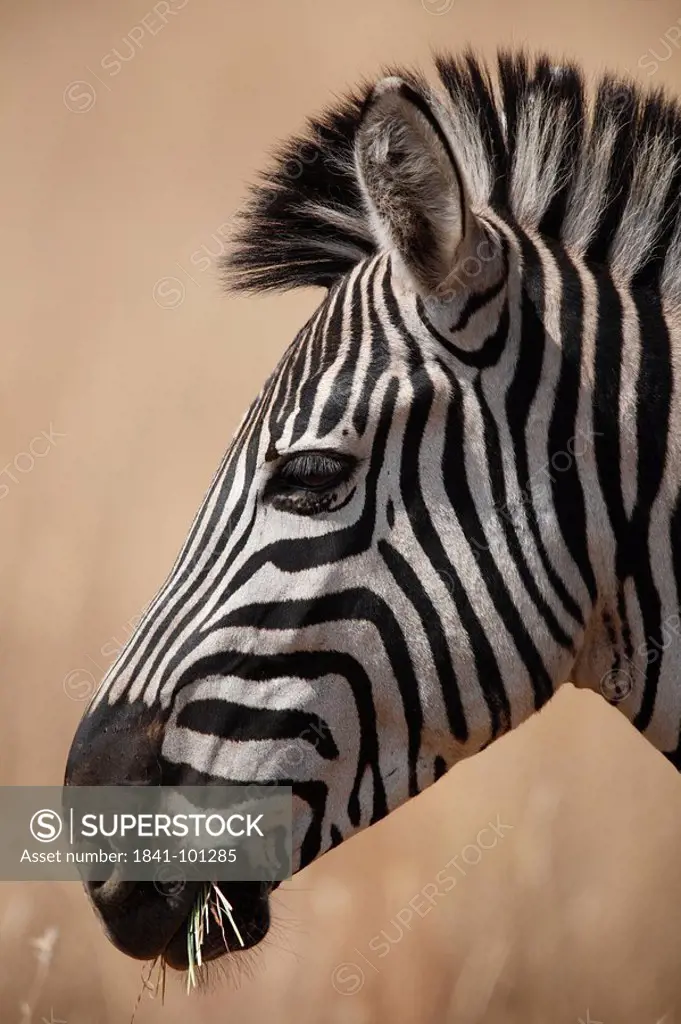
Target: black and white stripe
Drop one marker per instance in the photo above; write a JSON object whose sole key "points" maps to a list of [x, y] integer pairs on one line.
{"points": [[460, 487]]}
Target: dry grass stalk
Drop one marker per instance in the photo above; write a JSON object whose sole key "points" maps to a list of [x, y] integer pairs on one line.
{"points": [[211, 901]]}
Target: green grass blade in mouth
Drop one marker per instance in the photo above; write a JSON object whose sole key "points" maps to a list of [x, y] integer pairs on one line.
{"points": [[198, 926], [228, 909]]}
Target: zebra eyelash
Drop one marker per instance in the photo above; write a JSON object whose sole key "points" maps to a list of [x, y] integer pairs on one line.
{"points": [[327, 465], [292, 487]]}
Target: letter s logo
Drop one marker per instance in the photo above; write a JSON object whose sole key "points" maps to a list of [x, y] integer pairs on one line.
{"points": [[46, 826]]}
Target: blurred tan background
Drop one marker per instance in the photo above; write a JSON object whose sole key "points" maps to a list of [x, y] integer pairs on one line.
{"points": [[129, 133]]}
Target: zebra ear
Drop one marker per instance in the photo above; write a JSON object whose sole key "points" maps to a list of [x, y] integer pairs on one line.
{"points": [[413, 186]]}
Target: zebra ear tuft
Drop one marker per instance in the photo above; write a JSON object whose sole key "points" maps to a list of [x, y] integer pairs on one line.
{"points": [[412, 184]]}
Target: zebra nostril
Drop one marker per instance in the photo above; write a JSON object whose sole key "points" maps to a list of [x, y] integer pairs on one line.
{"points": [[117, 745], [112, 891]]}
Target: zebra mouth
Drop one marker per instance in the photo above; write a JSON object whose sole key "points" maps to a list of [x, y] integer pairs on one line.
{"points": [[144, 923], [251, 914]]}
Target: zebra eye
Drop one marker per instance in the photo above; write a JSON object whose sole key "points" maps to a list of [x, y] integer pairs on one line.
{"points": [[313, 471]]}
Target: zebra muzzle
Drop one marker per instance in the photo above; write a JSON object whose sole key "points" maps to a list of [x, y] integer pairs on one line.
{"points": [[145, 921]]}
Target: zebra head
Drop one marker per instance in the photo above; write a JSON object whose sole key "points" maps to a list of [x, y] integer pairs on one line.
{"points": [[391, 567]]}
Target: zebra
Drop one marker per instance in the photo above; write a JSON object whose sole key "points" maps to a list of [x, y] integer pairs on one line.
{"points": [[459, 488]]}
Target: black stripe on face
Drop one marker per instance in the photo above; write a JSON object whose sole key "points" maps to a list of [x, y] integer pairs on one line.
{"points": [[653, 404], [501, 506], [394, 320], [492, 348], [606, 402], [336, 405], [298, 554], [347, 606], [416, 593], [675, 539], [566, 487], [313, 666], [478, 301], [519, 398], [461, 499], [239, 722], [313, 792], [380, 349], [317, 352], [487, 668]]}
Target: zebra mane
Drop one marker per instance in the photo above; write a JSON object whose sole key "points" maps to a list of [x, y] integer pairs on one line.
{"points": [[599, 171]]}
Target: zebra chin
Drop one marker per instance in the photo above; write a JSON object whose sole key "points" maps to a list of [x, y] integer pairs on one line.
{"points": [[145, 923]]}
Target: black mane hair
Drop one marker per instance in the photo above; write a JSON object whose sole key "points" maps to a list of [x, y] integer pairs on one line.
{"points": [[598, 170]]}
